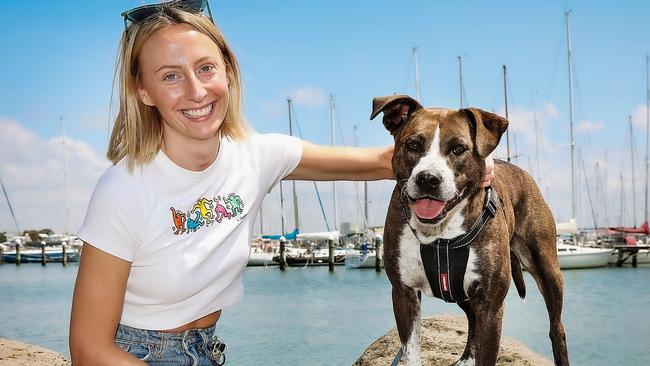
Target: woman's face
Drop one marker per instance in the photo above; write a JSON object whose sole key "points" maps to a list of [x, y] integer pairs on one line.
{"points": [[182, 74]]}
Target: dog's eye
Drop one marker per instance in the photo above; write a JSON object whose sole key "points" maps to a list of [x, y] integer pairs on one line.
{"points": [[413, 146], [458, 149]]}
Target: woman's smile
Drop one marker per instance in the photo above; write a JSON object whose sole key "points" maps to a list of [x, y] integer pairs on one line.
{"points": [[199, 114]]}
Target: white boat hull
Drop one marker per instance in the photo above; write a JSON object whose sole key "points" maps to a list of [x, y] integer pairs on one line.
{"points": [[258, 259], [574, 257], [367, 260]]}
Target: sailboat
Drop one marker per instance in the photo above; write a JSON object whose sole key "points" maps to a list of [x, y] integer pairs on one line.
{"points": [[570, 255]]}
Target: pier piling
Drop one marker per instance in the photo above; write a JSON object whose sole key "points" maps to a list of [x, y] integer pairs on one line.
{"points": [[64, 260], [378, 254], [43, 256], [330, 243], [17, 254], [283, 254]]}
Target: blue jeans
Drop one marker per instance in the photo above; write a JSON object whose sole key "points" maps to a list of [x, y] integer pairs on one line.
{"points": [[196, 347]]}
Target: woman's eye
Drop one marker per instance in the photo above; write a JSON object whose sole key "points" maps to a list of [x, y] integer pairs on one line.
{"points": [[458, 149], [170, 77], [207, 68]]}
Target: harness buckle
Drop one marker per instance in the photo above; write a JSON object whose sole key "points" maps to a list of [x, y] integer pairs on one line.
{"points": [[491, 206]]}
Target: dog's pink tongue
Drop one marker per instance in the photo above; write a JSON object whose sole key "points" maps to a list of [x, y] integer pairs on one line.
{"points": [[426, 208]]}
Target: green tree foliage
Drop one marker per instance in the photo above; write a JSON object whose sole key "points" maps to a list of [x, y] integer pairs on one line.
{"points": [[3, 237], [33, 235]]}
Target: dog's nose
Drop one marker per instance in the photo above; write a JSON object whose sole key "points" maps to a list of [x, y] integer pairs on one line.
{"points": [[427, 181]]}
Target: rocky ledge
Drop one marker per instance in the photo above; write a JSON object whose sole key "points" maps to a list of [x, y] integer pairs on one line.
{"points": [[13, 353], [443, 340]]}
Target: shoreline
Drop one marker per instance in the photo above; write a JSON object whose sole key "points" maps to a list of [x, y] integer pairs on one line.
{"points": [[15, 353]]}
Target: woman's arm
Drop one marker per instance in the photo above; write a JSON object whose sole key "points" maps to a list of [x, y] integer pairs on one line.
{"points": [[343, 163], [97, 309], [354, 163]]}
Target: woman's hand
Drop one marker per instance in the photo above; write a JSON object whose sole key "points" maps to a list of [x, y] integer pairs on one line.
{"points": [[488, 174]]}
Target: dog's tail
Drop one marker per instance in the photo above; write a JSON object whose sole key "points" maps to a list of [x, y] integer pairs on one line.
{"points": [[517, 275]]}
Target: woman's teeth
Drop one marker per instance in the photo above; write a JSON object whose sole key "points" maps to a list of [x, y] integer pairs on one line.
{"points": [[198, 113]]}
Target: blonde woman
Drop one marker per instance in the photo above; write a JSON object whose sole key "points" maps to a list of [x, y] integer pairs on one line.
{"points": [[168, 226]]}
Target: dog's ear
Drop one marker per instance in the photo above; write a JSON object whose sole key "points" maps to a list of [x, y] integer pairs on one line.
{"points": [[396, 108], [489, 127]]}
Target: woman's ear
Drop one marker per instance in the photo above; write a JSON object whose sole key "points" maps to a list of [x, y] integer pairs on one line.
{"points": [[144, 97]]}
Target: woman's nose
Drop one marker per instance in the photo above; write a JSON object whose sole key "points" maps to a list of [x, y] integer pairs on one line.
{"points": [[195, 90]]}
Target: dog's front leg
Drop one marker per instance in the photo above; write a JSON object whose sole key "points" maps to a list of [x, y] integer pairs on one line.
{"points": [[406, 306], [489, 320]]}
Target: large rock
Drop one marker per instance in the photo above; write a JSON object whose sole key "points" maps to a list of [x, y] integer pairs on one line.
{"points": [[13, 353], [443, 341]]}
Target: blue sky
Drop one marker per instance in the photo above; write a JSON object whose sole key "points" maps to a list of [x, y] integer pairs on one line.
{"points": [[58, 60]]}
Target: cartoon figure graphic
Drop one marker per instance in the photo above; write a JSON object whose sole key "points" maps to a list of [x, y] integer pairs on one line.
{"points": [[193, 224], [234, 204], [220, 210], [178, 218], [204, 206]]}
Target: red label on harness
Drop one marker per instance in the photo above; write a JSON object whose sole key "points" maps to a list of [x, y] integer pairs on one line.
{"points": [[444, 282]]}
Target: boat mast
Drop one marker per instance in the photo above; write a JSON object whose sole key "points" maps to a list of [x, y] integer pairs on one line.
{"points": [[65, 180], [647, 134], [505, 93], [11, 209], [417, 74], [293, 182], [460, 72], [633, 175], [539, 172], [365, 188], [573, 183], [334, 182], [282, 229], [605, 185], [620, 221]]}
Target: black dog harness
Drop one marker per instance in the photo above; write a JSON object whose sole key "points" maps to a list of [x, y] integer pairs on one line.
{"points": [[445, 260]]}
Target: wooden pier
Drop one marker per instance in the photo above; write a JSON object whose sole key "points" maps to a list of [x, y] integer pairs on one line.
{"points": [[625, 252]]}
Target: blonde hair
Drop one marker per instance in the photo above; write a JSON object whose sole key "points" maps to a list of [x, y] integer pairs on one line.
{"points": [[137, 132]]}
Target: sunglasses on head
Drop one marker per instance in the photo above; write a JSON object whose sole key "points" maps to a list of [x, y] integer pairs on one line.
{"points": [[142, 13]]}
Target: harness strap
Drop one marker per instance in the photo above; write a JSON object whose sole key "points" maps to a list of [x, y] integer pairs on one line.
{"points": [[489, 211], [445, 260]]}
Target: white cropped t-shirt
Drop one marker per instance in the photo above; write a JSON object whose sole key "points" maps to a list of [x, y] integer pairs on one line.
{"points": [[185, 233]]}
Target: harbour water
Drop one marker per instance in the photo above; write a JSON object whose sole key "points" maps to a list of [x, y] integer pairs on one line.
{"points": [[311, 317]]}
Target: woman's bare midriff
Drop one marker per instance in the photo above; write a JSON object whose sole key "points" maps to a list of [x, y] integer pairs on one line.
{"points": [[205, 322]]}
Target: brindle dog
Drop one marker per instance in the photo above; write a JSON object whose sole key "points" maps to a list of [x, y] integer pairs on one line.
{"points": [[438, 161]]}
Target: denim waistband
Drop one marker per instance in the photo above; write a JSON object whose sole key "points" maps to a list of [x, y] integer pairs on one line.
{"points": [[128, 334]]}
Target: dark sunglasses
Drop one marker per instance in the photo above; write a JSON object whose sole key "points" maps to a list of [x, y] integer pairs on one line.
{"points": [[141, 13]]}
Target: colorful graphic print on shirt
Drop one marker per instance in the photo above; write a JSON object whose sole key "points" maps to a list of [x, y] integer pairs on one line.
{"points": [[205, 212]]}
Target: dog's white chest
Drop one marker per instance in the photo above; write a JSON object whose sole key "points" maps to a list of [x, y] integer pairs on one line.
{"points": [[411, 269]]}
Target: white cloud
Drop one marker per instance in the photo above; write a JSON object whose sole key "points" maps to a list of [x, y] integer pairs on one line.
{"points": [[587, 126], [309, 96], [550, 111], [32, 171], [639, 117]]}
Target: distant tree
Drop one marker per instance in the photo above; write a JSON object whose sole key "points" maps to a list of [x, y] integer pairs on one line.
{"points": [[46, 231], [33, 235], [3, 237]]}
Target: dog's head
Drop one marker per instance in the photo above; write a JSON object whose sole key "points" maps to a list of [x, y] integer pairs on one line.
{"points": [[439, 153]]}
